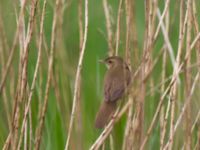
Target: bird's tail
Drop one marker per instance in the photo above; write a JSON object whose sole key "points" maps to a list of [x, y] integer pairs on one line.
{"points": [[107, 109]]}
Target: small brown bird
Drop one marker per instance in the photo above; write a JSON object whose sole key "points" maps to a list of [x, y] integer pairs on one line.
{"points": [[116, 81]]}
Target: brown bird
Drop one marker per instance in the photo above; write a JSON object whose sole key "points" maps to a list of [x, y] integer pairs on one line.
{"points": [[116, 81]]}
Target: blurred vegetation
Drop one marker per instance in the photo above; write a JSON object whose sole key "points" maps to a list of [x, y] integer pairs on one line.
{"points": [[64, 69]]}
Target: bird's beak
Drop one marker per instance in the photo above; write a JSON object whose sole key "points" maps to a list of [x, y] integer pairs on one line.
{"points": [[102, 61]]}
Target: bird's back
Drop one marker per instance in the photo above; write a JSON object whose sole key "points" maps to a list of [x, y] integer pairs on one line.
{"points": [[115, 82]]}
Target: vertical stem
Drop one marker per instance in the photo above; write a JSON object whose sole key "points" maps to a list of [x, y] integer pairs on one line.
{"points": [[188, 137], [108, 27], [118, 27], [48, 83], [78, 74]]}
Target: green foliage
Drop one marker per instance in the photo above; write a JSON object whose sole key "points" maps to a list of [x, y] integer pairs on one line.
{"points": [[67, 49]]}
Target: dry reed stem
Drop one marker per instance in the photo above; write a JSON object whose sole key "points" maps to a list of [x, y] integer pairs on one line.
{"points": [[196, 39], [78, 121], [156, 59], [146, 63], [127, 144], [78, 74], [54, 82], [165, 122], [185, 60], [25, 136], [181, 64], [127, 135], [172, 99], [58, 43], [157, 111], [24, 41], [117, 41], [103, 146], [195, 121], [8, 64], [80, 21], [128, 30], [4, 47], [163, 76], [108, 27], [10, 58], [162, 120], [130, 39], [174, 88], [111, 142], [187, 100], [138, 120], [193, 126], [7, 143], [195, 21], [105, 133], [169, 102], [22, 78], [49, 76], [188, 137], [161, 101], [154, 7], [123, 111], [162, 18], [134, 34], [6, 107], [30, 129], [167, 41], [24, 63], [35, 75]]}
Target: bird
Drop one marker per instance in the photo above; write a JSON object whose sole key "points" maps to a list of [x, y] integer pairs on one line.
{"points": [[116, 82]]}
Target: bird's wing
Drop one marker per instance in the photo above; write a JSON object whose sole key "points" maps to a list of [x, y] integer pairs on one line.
{"points": [[114, 89]]}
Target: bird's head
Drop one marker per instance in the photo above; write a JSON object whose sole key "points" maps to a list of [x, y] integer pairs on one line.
{"points": [[112, 61]]}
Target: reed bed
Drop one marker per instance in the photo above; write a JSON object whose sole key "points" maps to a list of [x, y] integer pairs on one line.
{"points": [[51, 81]]}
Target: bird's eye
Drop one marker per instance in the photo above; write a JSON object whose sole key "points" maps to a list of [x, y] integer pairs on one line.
{"points": [[109, 61]]}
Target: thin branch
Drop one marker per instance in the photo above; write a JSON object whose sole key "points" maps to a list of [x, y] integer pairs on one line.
{"points": [[78, 74], [157, 111], [118, 27], [106, 132], [188, 99], [108, 27], [50, 69], [167, 41], [35, 74], [161, 18]]}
